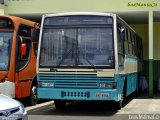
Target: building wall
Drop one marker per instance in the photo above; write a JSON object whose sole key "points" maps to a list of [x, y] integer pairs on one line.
{"points": [[3, 10], [50, 6], [142, 30], [157, 40]]}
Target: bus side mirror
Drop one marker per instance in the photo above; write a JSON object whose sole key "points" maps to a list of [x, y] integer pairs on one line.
{"points": [[23, 49], [36, 35]]}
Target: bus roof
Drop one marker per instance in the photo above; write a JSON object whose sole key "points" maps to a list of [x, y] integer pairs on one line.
{"points": [[88, 13], [79, 13], [126, 24], [85, 13], [18, 20]]}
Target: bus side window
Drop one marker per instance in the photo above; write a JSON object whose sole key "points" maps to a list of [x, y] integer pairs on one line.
{"points": [[120, 41], [135, 47], [126, 43], [130, 49], [141, 50], [23, 47]]}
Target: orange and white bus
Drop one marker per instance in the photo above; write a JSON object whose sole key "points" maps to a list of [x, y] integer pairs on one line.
{"points": [[18, 49]]}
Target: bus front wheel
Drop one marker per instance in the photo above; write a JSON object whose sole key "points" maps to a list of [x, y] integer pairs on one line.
{"points": [[119, 104], [33, 96], [59, 104]]}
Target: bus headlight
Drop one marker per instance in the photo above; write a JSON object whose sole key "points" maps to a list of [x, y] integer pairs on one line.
{"points": [[108, 85], [45, 84]]}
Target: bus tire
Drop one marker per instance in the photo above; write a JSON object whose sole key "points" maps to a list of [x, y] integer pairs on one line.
{"points": [[59, 104], [33, 99], [119, 104]]}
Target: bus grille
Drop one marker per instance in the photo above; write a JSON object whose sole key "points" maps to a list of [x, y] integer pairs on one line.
{"points": [[90, 81], [75, 94]]}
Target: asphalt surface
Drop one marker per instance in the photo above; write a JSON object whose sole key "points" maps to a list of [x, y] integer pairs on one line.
{"points": [[137, 108], [74, 111]]}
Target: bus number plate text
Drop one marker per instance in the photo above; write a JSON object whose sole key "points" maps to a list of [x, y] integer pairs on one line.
{"points": [[102, 95]]}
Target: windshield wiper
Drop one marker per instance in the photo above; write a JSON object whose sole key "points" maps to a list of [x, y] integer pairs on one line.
{"points": [[92, 65], [68, 53]]}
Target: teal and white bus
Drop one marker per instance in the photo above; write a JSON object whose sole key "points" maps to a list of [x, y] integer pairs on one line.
{"points": [[87, 56]]}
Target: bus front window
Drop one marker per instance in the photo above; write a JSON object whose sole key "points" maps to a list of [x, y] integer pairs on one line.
{"points": [[95, 46], [77, 47], [5, 46], [77, 42]]}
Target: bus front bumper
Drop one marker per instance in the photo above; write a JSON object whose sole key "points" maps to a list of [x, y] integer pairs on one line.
{"points": [[79, 94]]}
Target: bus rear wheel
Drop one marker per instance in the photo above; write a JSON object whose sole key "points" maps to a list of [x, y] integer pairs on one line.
{"points": [[59, 104]]}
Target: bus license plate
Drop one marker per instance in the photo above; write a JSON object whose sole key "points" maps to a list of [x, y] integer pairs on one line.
{"points": [[102, 95]]}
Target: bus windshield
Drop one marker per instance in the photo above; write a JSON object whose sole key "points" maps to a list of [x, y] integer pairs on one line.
{"points": [[5, 46], [77, 46]]}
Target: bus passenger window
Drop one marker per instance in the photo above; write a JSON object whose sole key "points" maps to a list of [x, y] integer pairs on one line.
{"points": [[120, 41], [127, 34], [126, 47]]}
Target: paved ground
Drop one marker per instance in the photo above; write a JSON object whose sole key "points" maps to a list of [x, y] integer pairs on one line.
{"points": [[144, 107]]}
